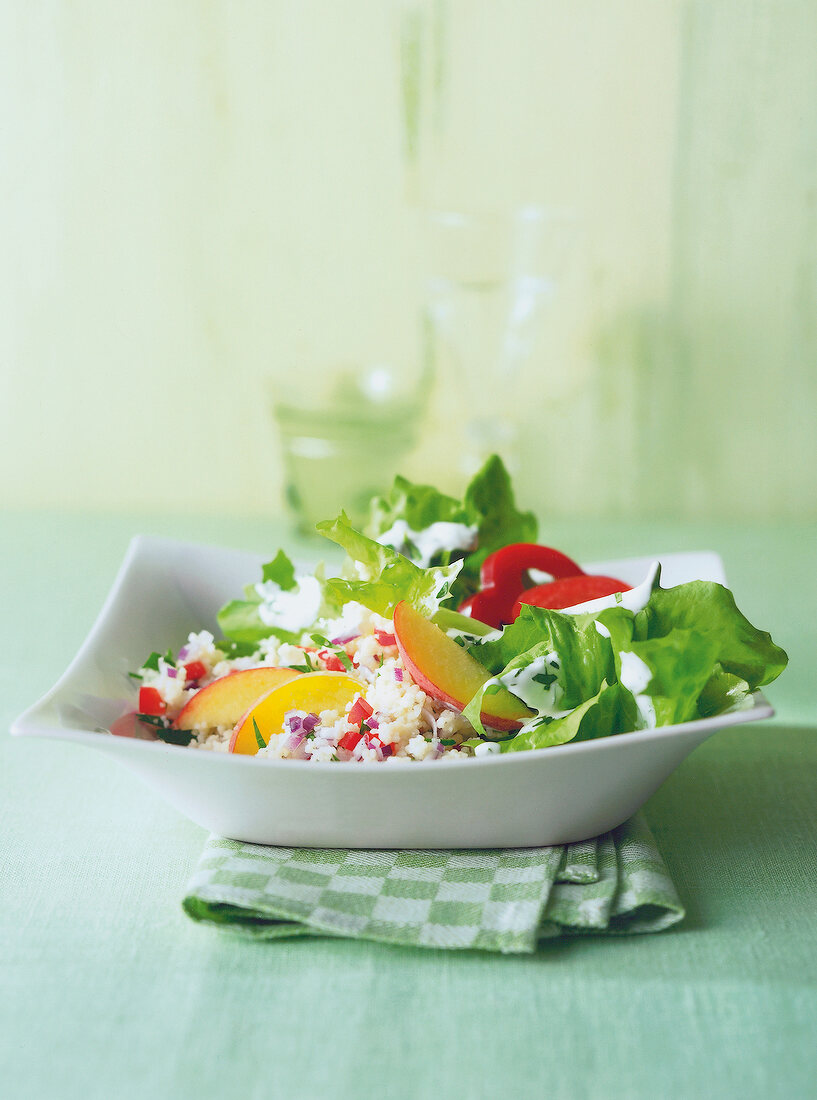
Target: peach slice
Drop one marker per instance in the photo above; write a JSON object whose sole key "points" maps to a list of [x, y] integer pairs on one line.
{"points": [[313, 691], [447, 673], [224, 701]]}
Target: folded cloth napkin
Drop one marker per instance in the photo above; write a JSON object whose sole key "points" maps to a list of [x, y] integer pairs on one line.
{"points": [[499, 900]]}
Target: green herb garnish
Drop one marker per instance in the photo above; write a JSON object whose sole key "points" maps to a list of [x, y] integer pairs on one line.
{"points": [[337, 650], [259, 740], [307, 666], [167, 733], [152, 663]]}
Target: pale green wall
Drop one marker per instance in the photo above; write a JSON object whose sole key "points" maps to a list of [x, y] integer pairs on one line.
{"points": [[196, 197]]}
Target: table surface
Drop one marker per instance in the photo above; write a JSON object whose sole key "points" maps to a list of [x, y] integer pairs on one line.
{"points": [[108, 990]]}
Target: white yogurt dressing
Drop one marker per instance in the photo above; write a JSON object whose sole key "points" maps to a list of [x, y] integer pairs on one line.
{"points": [[348, 624], [635, 675], [292, 610], [487, 748], [635, 600], [541, 697], [435, 539]]}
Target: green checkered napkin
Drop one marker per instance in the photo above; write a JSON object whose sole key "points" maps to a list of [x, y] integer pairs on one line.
{"points": [[501, 900]]}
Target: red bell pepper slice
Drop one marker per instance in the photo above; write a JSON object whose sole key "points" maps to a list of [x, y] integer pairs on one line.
{"points": [[568, 591], [504, 574], [510, 564]]}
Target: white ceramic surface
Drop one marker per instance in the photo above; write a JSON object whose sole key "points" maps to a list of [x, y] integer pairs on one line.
{"points": [[547, 796]]}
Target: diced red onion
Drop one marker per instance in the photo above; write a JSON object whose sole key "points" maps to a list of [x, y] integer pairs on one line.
{"points": [[398, 674], [429, 716], [295, 740], [293, 721], [372, 723], [183, 652], [344, 639], [171, 672], [298, 727]]}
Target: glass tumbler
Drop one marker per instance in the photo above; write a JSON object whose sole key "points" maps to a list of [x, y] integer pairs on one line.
{"points": [[491, 280], [345, 429]]}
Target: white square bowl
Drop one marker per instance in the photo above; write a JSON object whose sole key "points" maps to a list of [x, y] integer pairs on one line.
{"points": [[557, 795]]}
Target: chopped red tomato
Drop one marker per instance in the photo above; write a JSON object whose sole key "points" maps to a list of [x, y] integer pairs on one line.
{"points": [[331, 661], [151, 702], [349, 740], [384, 638], [360, 712], [194, 670]]}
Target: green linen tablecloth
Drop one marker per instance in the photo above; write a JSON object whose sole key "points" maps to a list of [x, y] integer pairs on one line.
{"points": [[107, 989]]}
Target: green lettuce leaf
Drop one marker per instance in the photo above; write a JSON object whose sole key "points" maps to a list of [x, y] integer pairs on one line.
{"points": [[690, 653], [280, 570], [563, 663], [709, 608], [462, 627], [664, 675], [723, 691], [488, 505], [584, 654], [702, 653], [240, 621], [489, 500], [605, 713], [393, 577], [419, 505]]}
